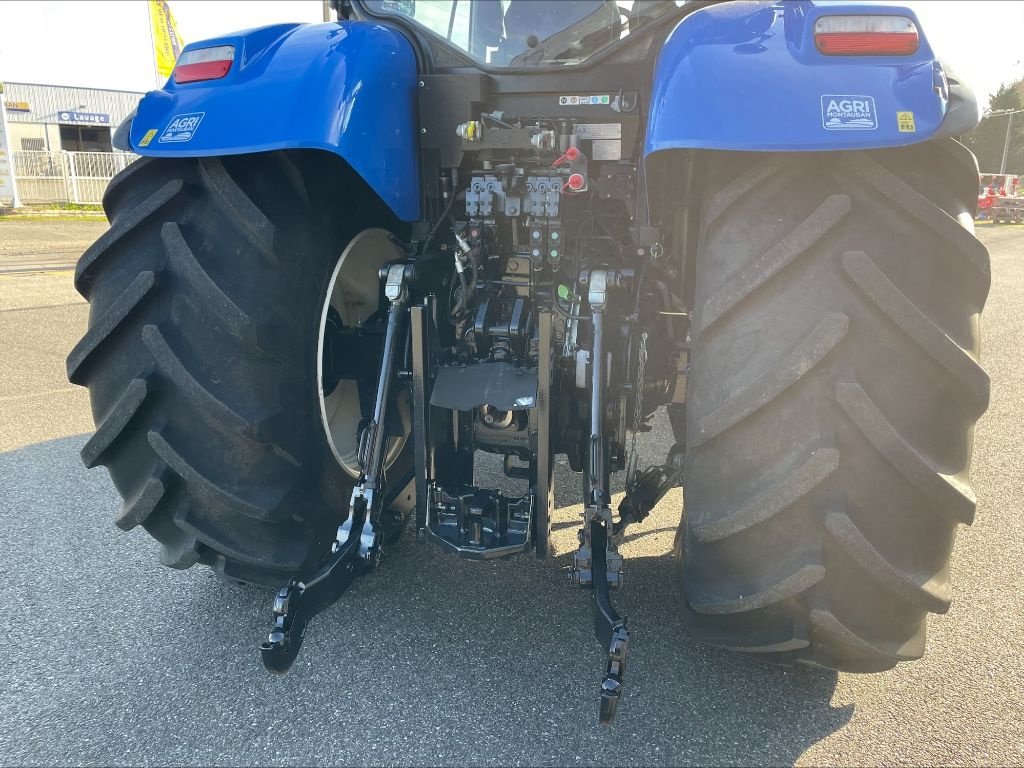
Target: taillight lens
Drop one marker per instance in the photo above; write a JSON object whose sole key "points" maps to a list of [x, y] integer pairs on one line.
{"points": [[866, 35], [204, 64]]}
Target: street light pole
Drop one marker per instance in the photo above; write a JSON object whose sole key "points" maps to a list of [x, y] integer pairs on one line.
{"points": [[1006, 143], [1009, 129]]}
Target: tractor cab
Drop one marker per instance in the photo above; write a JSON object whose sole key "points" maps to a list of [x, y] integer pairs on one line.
{"points": [[525, 33]]}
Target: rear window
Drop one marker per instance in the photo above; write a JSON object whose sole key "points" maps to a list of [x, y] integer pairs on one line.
{"points": [[528, 33]]}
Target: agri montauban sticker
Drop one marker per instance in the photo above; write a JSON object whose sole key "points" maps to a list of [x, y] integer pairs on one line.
{"points": [[848, 113]]}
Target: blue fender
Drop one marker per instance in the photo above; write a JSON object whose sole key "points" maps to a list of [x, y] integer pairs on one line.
{"points": [[748, 76], [348, 88]]}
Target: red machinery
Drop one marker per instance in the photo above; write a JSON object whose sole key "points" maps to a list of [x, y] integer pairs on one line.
{"points": [[1000, 198]]}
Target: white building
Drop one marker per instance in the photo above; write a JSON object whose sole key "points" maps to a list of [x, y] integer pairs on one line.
{"points": [[55, 117], [59, 142]]}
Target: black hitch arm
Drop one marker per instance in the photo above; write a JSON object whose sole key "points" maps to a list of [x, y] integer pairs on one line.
{"points": [[597, 563], [609, 627], [302, 598], [367, 495]]}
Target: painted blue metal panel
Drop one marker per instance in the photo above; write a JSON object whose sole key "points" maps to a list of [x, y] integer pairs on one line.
{"points": [[348, 88], [748, 76]]}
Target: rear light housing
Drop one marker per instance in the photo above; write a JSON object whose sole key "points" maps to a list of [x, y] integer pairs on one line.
{"points": [[204, 64], [866, 35]]}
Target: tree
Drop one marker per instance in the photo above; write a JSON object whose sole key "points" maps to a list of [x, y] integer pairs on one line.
{"points": [[986, 141]]}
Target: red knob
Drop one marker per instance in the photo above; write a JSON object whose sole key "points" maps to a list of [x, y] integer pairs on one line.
{"points": [[572, 153], [576, 181]]}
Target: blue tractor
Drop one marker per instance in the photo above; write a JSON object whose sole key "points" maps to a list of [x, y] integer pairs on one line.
{"points": [[356, 255]]}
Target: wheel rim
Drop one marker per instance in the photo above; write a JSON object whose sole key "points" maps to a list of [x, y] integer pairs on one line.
{"points": [[353, 294]]}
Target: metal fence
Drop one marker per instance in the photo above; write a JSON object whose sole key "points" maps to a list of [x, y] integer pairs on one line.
{"points": [[66, 177]]}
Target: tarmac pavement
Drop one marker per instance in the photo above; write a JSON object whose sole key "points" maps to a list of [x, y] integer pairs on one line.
{"points": [[28, 244], [113, 659]]}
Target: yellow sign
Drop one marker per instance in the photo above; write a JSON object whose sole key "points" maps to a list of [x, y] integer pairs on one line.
{"points": [[905, 122], [17, 106], [167, 43], [144, 141]]}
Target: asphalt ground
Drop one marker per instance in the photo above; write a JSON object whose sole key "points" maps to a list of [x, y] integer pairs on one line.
{"points": [[31, 244], [112, 659]]}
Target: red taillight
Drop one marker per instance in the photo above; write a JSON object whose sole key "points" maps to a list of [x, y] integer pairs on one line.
{"points": [[204, 64], [866, 35], [867, 44], [203, 70]]}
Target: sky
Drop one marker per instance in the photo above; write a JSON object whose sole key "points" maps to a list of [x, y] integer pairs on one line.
{"points": [[106, 43]]}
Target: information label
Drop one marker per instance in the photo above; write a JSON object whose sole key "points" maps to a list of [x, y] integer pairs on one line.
{"points": [[607, 149], [599, 130], [584, 99]]}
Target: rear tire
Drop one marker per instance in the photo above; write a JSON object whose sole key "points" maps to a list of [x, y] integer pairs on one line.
{"points": [[833, 393], [201, 355]]}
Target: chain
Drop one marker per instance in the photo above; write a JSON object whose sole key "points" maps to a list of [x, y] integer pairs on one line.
{"points": [[633, 463]]}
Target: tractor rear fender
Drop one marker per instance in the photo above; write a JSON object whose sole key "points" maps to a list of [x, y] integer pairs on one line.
{"points": [[749, 76], [348, 88]]}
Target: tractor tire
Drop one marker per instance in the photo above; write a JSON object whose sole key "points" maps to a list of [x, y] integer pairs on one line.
{"points": [[201, 355], [833, 392]]}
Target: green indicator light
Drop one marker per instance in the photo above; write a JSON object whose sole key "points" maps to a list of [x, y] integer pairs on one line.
{"points": [[564, 292]]}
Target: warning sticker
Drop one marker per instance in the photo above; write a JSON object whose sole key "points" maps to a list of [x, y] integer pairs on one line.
{"points": [[606, 149], [905, 122], [599, 130], [144, 141], [577, 99]]}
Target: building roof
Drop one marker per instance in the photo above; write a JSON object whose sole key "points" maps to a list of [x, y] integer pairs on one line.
{"points": [[46, 102]]}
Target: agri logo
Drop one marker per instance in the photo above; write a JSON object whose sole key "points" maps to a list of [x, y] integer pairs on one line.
{"points": [[848, 113], [182, 127]]}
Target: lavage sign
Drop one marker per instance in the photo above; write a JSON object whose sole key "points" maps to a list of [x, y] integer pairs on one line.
{"points": [[848, 113]]}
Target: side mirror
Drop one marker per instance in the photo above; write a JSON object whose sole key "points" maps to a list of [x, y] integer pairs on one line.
{"points": [[404, 7]]}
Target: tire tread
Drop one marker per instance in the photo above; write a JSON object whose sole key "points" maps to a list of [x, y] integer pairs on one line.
{"points": [[827, 470], [113, 426]]}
